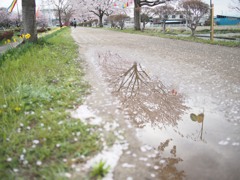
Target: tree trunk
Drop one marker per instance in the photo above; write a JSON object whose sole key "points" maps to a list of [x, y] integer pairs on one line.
{"points": [[101, 21], [137, 17], [121, 24], [164, 26], [29, 19], [59, 17], [193, 28], [144, 24], [193, 32]]}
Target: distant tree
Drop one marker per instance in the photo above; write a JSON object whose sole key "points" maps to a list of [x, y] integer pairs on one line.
{"points": [[90, 23], [97, 7], [82, 14], [67, 13], [4, 17], [194, 10], [208, 21], [8, 19], [146, 14], [61, 7], [235, 5], [41, 21], [118, 20], [93, 22], [164, 12], [137, 9]]}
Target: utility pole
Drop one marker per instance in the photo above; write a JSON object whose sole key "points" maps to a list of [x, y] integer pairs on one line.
{"points": [[19, 19], [212, 20]]}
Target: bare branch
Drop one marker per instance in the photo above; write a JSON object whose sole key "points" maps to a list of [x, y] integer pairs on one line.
{"points": [[151, 3]]}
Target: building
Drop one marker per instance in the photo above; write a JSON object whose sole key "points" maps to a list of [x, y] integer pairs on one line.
{"points": [[226, 20], [177, 18], [170, 19], [47, 13]]}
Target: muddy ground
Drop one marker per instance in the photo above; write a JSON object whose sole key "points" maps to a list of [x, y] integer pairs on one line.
{"points": [[208, 79]]}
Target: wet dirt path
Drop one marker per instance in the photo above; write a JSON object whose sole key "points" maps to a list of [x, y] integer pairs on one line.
{"points": [[209, 79]]}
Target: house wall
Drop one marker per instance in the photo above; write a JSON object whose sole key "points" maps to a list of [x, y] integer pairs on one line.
{"points": [[226, 20]]}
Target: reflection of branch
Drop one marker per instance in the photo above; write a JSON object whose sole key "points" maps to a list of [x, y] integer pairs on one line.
{"points": [[151, 3], [162, 146], [146, 99], [168, 169], [133, 76], [201, 132]]}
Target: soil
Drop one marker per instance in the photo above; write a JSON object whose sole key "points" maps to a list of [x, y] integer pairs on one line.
{"points": [[206, 76]]}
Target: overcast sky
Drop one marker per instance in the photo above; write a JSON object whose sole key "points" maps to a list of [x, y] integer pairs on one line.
{"points": [[221, 7]]}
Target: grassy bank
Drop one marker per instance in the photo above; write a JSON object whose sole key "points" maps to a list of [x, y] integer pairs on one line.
{"points": [[38, 83], [173, 35]]}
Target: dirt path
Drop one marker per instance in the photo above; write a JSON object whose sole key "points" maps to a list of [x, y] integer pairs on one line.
{"points": [[208, 77]]}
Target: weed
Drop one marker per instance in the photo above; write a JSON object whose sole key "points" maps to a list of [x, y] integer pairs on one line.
{"points": [[99, 170]]}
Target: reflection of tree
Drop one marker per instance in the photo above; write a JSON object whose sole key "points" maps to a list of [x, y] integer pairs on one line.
{"points": [[146, 99], [168, 169]]}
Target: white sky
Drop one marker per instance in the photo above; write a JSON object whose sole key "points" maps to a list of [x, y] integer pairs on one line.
{"points": [[221, 7]]}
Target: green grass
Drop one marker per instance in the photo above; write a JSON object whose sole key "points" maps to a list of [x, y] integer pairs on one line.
{"points": [[219, 31], [99, 170], [171, 35], [38, 83]]}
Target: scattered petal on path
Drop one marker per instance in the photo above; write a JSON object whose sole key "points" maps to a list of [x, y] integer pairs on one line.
{"points": [[235, 143], [162, 161], [126, 165], [129, 178], [223, 143], [143, 159]]}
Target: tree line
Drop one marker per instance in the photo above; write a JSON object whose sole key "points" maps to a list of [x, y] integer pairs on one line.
{"points": [[86, 10]]}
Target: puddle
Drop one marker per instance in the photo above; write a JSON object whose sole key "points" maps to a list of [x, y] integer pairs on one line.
{"points": [[209, 150], [145, 99], [189, 145]]}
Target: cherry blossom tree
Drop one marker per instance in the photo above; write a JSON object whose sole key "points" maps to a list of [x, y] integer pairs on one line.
{"points": [[107, 7], [118, 20], [4, 17], [98, 8]]}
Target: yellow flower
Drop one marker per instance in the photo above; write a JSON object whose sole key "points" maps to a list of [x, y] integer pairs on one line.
{"points": [[8, 40], [27, 36], [17, 109], [14, 40]]}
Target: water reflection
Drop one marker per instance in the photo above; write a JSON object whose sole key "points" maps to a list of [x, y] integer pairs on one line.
{"points": [[145, 98], [147, 101], [168, 165], [198, 119]]}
